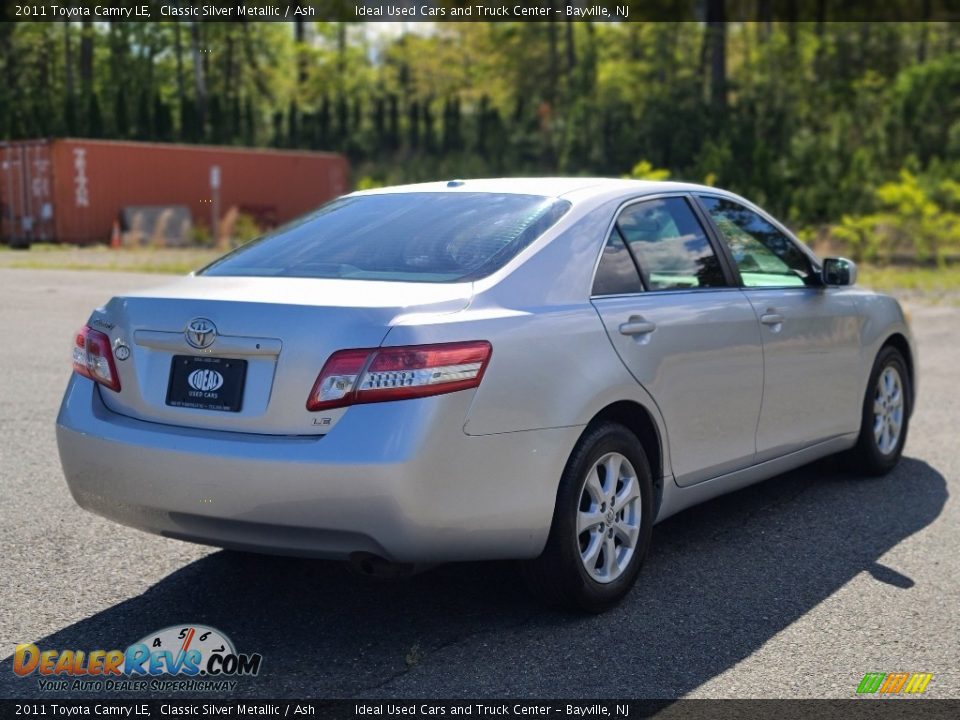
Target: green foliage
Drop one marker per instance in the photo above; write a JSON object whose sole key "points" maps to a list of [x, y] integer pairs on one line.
{"points": [[914, 221], [368, 183], [245, 229], [200, 236], [643, 170], [815, 121], [926, 101]]}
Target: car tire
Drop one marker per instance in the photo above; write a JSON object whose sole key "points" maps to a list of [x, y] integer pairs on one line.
{"points": [[604, 501], [886, 416]]}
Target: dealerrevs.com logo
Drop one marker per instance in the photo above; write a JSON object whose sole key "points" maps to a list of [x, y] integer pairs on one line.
{"points": [[177, 658]]}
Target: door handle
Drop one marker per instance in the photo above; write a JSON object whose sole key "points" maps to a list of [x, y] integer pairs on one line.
{"points": [[637, 325], [771, 318]]}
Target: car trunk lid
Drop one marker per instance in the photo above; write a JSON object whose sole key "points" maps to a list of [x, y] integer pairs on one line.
{"points": [[270, 336]]}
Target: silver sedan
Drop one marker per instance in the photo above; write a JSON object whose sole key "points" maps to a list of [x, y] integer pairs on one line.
{"points": [[533, 369]]}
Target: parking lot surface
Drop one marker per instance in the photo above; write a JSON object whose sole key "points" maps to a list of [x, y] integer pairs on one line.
{"points": [[795, 587]]}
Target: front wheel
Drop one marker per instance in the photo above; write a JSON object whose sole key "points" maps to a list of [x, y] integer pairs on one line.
{"points": [[886, 415], [601, 525]]}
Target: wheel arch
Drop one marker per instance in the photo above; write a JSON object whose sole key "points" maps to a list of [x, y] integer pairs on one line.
{"points": [[638, 420], [900, 343]]}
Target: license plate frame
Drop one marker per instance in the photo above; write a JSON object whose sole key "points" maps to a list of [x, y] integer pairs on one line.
{"points": [[202, 382]]}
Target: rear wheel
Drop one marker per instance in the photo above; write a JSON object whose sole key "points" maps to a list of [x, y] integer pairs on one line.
{"points": [[601, 525], [886, 415]]}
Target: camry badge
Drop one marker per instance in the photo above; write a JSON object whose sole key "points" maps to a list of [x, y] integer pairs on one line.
{"points": [[201, 333]]}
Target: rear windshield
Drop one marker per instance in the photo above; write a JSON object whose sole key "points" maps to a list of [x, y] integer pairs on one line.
{"points": [[413, 237]]}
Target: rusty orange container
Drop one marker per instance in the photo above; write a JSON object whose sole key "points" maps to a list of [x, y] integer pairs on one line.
{"points": [[73, 190]]}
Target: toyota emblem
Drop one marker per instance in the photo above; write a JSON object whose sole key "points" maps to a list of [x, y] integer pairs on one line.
{"points": [[201, 333]]}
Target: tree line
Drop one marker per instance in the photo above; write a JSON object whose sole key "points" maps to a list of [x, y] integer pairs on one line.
{"points": [[814, 120]]}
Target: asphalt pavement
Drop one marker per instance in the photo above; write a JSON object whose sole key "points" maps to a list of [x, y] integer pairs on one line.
{"points": [[795, 587]]}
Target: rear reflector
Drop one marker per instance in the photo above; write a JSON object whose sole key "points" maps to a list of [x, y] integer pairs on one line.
{"points": [[350, 377], [93, 358]]}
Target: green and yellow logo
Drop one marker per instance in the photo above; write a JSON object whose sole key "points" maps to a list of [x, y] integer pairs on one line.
{"points": [[894, 683]]}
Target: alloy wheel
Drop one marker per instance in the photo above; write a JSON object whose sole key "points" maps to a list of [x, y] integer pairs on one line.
{"points": [[888, 410], [608, 517]]}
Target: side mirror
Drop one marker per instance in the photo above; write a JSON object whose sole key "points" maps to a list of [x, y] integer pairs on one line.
{"points": [[838, 272]]}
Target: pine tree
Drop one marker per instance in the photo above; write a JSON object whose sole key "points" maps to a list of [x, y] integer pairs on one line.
{"points": [[293, 125], [145, 123], [393, 123], [217, 125], [16, 124], [452, 139], [379, 124], [495, 132], [249, 123], [162, 119], [413, 124], [428, 135], [342, 120], [188, 121], [94, 117], [69, 116], [482, 119], [121, 120], [356, 123], [235, 120], [323, 124], [278, 137], [308, 130]]}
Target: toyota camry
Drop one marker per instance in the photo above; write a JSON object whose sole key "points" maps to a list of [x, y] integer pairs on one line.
{"points": [[535, 369]]}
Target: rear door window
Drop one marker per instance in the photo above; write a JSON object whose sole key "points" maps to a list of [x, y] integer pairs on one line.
{"points": [[412, 237], [617, 273], [670, 246]]}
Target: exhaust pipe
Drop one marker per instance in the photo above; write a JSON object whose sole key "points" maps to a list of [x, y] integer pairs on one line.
{"points": [[370, 566]]}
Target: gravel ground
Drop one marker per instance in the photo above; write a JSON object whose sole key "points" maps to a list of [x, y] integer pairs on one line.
{"points": [[795, 587]]}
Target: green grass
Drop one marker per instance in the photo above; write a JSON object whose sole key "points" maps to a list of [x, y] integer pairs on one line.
{"points": [[932, 282], [159, 268], [918, 279], [100, 257]]}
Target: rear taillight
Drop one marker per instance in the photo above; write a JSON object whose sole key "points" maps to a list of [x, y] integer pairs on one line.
{"points": [[93, 358], [350, 377]]}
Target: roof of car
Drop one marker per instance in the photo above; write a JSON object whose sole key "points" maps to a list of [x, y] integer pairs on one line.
{"points": [[546, 186]]}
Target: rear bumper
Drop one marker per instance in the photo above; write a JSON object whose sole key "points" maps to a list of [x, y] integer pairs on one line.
{"points": [[400, 480]]}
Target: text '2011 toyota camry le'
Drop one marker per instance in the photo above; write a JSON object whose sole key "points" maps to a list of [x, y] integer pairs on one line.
{"points": [[534, 369]]}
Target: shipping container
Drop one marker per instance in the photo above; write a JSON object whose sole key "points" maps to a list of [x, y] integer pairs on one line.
{"points": [[73, 191]]}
